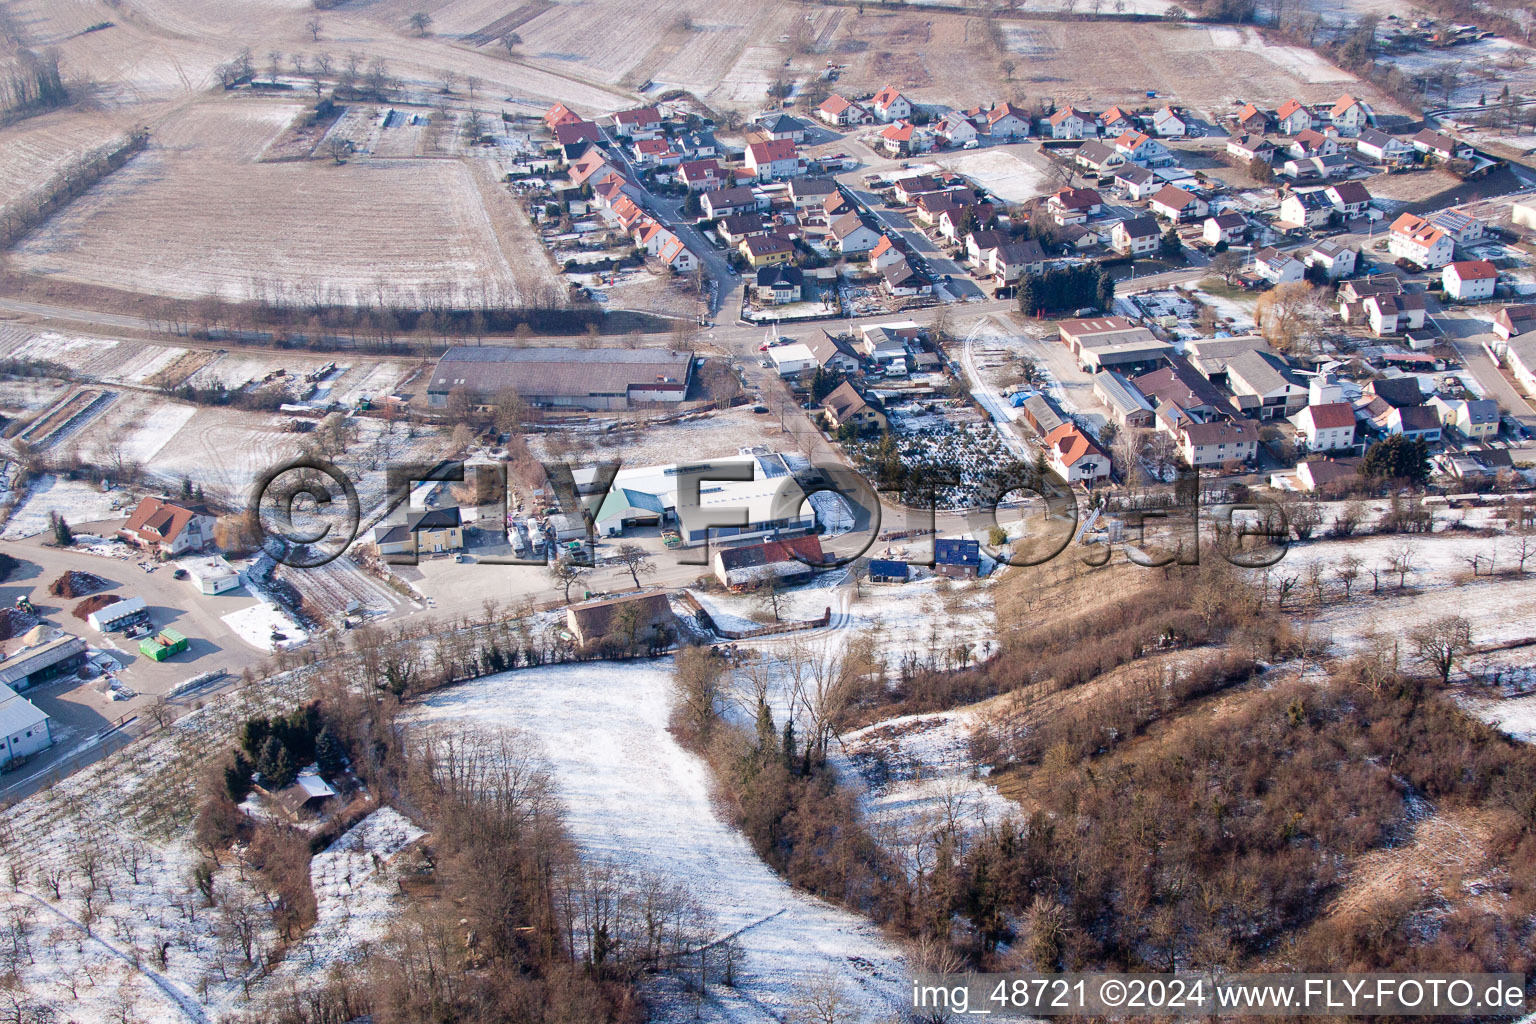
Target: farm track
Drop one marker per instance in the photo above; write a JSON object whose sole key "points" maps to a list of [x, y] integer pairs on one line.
{"points": [[508, 23]]}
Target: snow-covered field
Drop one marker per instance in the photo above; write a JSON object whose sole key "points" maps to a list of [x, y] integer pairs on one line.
{"points": [[1011, 178], [634, 796], [262, 624], [78, 501]]}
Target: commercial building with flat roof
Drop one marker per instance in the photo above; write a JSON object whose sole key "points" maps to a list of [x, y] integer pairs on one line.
{"points": [[576, 378]]}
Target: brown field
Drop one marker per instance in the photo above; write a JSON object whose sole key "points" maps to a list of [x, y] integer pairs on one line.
{"points": [[939, 58], [197, 215], [33, 151]]}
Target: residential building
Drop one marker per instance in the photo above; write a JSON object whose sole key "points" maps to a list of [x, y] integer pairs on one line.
{"points": [[1099, 157], [808, 192], [1415, 239], [841, 112], [1252, 120], [1441, 146], [890, 105], [957, 559], [899, 279], [1012, 260], [766, 250], [641, 123], [1075, 202], [1177, 204], [1074, 457], [884, 254], [833, 353], [1348, 115], [1005, 121], [1307, 210], [901, 139], [1352, 294], [1114, 121], [1513, 321], [1326, 428], [168, 528], [782, 126], [1225, 227], [1315, 167], [1384, 148], [1475, 419], [1137, 236], [558, 115], [775, 158], [1141, 148], [1251, 147], [1469, 280], [1218, 442], [1327, 474], [1394, 314], [853, 236], [1463, 228], [1167, 123], [1277, 267], [1349, 199], [979, 244], [1293, 117], [1336, 260], [1179, 386], [779, 284], [1138, 182], [1263, 385], [702, 175], [1069, 123], [573, 137], [434, 531], [739, 226], [1311, 142], [847, 408], [956, 129], [1415, 422], [728, 201]]}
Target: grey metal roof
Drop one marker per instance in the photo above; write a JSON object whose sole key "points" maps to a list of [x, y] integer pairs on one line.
{"points": [[17, 714], [34, 659], [556, 372]]}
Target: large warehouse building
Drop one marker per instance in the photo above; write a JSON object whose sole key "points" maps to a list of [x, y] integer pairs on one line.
{"points": [[575, 378]]}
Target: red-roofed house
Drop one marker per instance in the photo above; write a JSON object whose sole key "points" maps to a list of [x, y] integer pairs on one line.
{"points": [[1114, 121], [1177, 205], [1348, 115], [1414, 238], [884, 254], [677, 256], [1005, 121], [1069, 123], [571, 135], [702, 175], [836, 110], [899, 139], [640, 123], [1293, 117], [776, 158], [890, 105], [1074, 457], [1252, 119], [1470, 280], [1326, 428], [557, 115], [167, 527]]}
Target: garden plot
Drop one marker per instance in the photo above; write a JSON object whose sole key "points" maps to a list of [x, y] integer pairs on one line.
{"points": [[1238, 311], [26, 396], [195, 215], [635, 797], [1006, 175], [78, 501]]}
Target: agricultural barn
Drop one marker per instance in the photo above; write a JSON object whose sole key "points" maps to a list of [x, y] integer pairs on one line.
{"points": [[597, 379], [32, 665], [785, 562], [24, 728], [634, 614]]}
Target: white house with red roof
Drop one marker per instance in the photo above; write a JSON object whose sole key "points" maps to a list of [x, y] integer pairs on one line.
{"points": [[884, 254], [1005, 121], [1470, 280], [1169, 123], [1074, 457], [1348, 115], [841, 112], [677, 256], [168, 527], [903, 138], [1069, 123], [1142, 149], [776, 158], [640, 123], [1114, 121], [1294, 117], [890, 105], [559, 114], [1329, 427], [1414, 238], [1177, 204], [702, 175]]}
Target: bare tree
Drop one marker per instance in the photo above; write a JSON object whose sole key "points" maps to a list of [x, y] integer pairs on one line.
{"points": [[1441, 643], [1348, 572], [565, 573], [635, 561], [421, 21], [511, 41], [471, 83], [1401, 557], [313, 26]]}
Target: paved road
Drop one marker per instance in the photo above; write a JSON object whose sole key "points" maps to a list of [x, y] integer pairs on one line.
{"points": [[1467, 336]]}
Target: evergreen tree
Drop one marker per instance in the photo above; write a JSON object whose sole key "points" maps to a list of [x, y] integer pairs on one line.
{"points": [[1172, 243], [328, 754], [789, 744], [63, 536], [1398, 458], [186, 487], [276, 764], [765, 729], [1106, 289]]}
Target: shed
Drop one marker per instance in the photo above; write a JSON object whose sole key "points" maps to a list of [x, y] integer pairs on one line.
{"points": [[212, 575], [40, 662], [884, 570], [119, 615]]}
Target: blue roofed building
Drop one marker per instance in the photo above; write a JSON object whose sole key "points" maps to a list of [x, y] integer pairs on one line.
{"points": [[957, 558], [885, 570]]}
